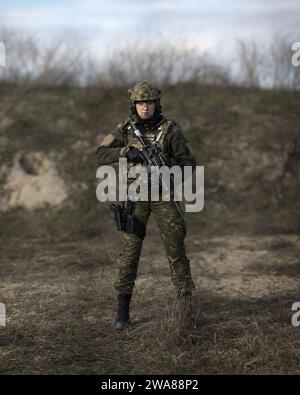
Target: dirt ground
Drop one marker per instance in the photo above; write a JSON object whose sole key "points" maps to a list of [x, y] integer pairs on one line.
{"points": [[61, 305]]}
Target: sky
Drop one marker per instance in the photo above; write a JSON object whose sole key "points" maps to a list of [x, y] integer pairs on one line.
{"points": [[212, 25]]}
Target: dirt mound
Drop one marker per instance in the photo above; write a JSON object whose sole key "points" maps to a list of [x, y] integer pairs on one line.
{"points": [[31, 182]]}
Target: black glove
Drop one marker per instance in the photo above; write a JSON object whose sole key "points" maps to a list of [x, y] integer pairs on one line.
{"points": [[134, 155]]}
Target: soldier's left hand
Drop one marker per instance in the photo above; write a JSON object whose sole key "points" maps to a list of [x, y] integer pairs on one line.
{"points": [[134, 155]]}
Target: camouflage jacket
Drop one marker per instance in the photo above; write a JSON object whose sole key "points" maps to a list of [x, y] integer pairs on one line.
{"points": [[171, 140]]}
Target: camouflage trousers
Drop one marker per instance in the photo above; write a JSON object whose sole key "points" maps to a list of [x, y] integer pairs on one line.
{"points": [[172, 229]]}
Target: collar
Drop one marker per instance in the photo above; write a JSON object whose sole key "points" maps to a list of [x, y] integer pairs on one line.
{"points": [[148, 125]]}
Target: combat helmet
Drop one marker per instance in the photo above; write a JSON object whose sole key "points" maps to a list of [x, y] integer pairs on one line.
{"points": [[144, 91]]}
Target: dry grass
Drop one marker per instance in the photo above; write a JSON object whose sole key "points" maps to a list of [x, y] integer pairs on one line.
{"points": [[61, 305]]}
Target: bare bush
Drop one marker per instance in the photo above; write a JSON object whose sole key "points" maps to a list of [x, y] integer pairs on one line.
{"points": [[268, 66], [251, 63], [283, 74], [31, 61], [163, 63], [63, 60]]}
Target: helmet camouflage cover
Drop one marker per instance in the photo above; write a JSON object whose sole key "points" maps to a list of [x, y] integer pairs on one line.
{"points": [[144, 91]]}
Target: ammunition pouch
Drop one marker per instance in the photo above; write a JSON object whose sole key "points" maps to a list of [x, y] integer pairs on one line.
{"points": [[126, 221]]}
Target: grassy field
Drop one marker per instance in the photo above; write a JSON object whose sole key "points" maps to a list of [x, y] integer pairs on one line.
{"points": [[58, 264], [61, 308]]}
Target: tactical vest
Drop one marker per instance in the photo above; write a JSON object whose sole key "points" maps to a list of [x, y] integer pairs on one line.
{"points": [[157, 135]]}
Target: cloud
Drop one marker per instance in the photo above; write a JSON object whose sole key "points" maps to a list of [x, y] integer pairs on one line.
{"points": [[207, 24], [274, 6]]}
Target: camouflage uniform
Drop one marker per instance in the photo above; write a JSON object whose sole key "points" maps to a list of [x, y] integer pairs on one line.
{"points": [[170, 223]]}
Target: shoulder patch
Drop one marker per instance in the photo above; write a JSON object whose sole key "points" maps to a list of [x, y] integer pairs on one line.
{"points": [[108, 140]]}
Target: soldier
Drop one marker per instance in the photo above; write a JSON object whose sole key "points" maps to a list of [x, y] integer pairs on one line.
{"points": [[145, 112]]}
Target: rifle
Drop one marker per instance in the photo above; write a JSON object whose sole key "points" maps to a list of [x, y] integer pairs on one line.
{"points": [[152, 156]]}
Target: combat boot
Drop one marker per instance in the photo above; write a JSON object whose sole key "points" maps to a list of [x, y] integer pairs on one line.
{"points": [[122, 319]]}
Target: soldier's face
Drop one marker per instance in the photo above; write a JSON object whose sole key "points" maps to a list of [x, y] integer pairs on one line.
{"points": [[145, 109]]}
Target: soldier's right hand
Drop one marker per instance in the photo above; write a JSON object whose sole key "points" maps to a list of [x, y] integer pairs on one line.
{"points": [[134, 155]]}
